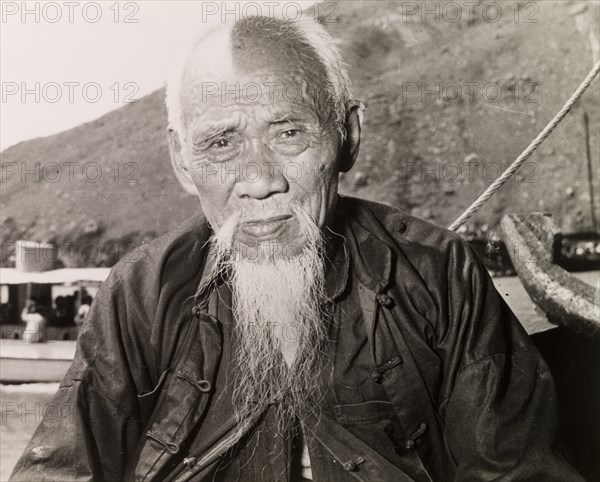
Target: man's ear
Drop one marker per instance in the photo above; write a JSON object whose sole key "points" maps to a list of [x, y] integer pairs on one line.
{"points": [[181, 171], [351, 145]]}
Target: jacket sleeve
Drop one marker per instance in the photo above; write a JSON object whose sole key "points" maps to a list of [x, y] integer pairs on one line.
{"points": [[95, 422], [500, 414]]}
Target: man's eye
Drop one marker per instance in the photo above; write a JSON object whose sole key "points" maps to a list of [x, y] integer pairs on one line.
{"points": [[220, 144], [289, 134], [218, 150], [291, 141]]}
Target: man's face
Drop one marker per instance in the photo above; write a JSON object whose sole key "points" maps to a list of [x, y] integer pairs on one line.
{"points": [[256, 142]]}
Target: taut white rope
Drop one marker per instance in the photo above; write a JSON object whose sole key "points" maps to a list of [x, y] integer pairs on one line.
{"points": [[526, 154]]}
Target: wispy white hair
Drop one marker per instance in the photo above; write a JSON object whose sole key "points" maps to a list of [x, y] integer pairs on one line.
{"points": [[306, 30]]}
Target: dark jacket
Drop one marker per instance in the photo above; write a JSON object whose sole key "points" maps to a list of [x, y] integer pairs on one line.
{"points": [[474, 397]]}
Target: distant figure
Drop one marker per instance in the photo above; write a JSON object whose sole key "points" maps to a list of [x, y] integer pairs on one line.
{"points": [[59, 314], [80, 297], [75, 299], [82, 312], [86, 301], [37, 324], [71, 306], [4, 313]]}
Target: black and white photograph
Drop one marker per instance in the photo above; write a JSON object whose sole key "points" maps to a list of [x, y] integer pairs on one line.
{"points": [[298, 241]]}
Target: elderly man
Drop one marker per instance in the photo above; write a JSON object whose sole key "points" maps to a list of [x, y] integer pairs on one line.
{"points": [[294, 334]]}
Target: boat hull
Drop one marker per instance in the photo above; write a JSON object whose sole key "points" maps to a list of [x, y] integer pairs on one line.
{"points": [[534, 248]]}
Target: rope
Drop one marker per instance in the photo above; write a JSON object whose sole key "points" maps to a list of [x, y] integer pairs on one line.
{"points": [[526, 154]]}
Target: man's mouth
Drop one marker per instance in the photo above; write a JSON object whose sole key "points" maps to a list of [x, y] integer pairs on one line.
{"points": [[264, 229]]}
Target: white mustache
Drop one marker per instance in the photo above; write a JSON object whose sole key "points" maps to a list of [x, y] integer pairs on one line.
{"points": [[264, 212]]}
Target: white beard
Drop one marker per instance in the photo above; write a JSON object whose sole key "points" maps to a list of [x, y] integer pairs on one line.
{"points": [[280, 323]]}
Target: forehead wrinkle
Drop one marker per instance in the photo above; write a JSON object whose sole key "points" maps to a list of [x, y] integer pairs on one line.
{"points": [[233, 113], [211, 127], [293, 114]]}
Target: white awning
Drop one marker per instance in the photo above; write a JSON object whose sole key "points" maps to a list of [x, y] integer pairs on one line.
{"points": [[11, 276]]}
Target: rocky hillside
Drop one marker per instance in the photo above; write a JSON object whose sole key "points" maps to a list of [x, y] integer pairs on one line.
{"points": [[453, 97]]}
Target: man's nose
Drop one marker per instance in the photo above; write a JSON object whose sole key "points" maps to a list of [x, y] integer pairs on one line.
{"points": [[261, 177]]}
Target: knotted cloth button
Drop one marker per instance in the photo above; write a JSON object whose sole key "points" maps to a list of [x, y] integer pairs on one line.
{"points": [[352, 466], [411, 442], [189, 461], [385, 300], [202, 385], [196, 311], [171, 447]]}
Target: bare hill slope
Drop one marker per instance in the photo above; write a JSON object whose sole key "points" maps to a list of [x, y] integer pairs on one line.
{"points": [[450, 104]]}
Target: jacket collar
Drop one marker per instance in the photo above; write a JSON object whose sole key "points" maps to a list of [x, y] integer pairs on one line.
{"points": [[337, 263], [369, 243]]}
